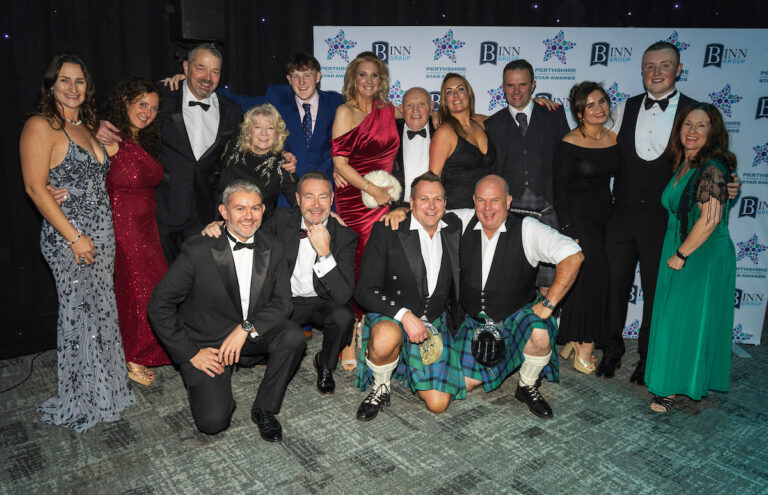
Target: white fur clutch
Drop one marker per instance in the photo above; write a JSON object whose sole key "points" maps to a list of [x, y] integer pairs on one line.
{"points": [[381, 178]]}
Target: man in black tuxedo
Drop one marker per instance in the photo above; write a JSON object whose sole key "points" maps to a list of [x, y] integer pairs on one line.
{"points": [[415, 130], [320, 254], [409, 276], [225, 301], [499, 256], [196, 125], [525, 136]]}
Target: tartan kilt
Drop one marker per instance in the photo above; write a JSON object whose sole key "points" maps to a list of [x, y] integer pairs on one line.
{"points": [[445, 375], [528, 201], [516, 330]]}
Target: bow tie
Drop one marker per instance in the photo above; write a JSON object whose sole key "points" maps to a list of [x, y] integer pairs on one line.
{"points": [[238, 244], [302, 233], [204, 106], [412, 134], [663, 103]]}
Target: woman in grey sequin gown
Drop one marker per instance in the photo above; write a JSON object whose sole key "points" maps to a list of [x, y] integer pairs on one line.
{"points": [[77, 241]]}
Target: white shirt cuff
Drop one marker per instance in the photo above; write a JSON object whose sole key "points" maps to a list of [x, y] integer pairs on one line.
{"points": [[399, 315], [322, 267]]}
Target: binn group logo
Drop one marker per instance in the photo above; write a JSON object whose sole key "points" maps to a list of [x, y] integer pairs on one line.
{"points": [[447, 45], [557, 46], [339, 45], [391, 53], [435, 95], [745, 299], [492, 53], [762, 108], [603, 52], [752, 206], [717, 54]]}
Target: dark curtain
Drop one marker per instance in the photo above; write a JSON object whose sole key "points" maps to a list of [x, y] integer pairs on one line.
{"points": [[119, 39]]}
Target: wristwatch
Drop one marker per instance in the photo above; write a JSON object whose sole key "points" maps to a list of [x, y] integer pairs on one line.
{"points": [[547, 304], [324, 257], [247, 327]]}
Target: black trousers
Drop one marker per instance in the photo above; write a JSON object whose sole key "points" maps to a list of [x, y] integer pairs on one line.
{"points": [[631, 235], [336, 321], [211, 399], [173, 236]]}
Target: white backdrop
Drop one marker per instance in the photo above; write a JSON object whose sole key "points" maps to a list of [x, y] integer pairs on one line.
{"points": [[727, 67]]}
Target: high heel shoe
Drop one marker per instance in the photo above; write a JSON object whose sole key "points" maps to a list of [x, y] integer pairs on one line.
{"points": [[567, 350], [583, 366]]}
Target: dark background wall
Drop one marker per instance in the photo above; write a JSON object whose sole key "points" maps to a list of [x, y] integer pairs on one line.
{"points": [[126, 38]]}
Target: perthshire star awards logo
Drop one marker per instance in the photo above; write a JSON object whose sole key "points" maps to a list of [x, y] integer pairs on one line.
{"points": [[396, 93], [725, 99], [339, 45], [761, 154], [497, 98], [751, 249], [674, 38], [615, 95], [557, 46], [447, 45]]}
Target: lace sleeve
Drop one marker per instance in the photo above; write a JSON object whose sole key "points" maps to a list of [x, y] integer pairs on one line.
{"points": [[712, 184]]}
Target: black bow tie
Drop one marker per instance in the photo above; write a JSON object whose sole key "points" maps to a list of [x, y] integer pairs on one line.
{"points": [[302, 233], [663, 103], [412, 134], [204, 106], [238, 244]]}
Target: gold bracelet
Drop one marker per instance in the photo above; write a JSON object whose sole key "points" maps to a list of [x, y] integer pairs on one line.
{"points": [[367, 183]]}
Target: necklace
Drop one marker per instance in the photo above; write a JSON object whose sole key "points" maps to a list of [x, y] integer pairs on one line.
{"points": [[600, 134], [73, 122]]}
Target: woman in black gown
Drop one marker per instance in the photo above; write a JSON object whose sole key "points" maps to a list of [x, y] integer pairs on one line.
{"points": [[584, 162]]}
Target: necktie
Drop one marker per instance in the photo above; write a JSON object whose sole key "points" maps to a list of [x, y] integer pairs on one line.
{"points": [[306, 122], [413, 134], [302, 233], [522, 121], [204, 106], [238, 244], [663, 103]]}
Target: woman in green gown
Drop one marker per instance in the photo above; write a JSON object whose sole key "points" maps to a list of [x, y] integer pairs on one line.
{"points": [[691, 331]]}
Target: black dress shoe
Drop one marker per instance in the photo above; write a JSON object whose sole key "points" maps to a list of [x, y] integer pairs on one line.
{"points": [[607, 367], [638, 376], [369, 408], [325, 383], [535, 402], [269, 426]]}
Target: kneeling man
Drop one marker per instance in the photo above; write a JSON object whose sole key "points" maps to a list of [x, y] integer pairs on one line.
{"points": [[499, 257], [409, 277], [227, 300]]}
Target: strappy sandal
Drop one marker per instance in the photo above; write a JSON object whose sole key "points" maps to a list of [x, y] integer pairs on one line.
{"points": [[664, 403], [140, 374]]}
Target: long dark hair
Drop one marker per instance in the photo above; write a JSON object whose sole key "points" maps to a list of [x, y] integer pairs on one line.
{"points": [[125, 93], [716, 147], [48, 107], [445, 115]]}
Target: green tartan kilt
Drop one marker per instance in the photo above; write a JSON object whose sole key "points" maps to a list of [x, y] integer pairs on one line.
{"points": [[516, 330], [445, 375]]}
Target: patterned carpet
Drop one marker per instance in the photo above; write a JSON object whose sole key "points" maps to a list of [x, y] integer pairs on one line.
{"points": [[603, 439]]}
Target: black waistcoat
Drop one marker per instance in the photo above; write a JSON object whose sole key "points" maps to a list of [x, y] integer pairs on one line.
{"points": [[525, 169], [639, 182], [434, 306], [511, 281]]}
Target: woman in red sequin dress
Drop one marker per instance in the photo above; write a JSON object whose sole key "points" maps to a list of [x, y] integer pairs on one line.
{"points": [[364, 139], [139, 262]]}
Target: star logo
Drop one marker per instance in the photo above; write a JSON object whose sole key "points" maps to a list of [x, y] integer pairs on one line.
{"points": [[630, 331], [557, 46], [724, 99], [497, 98], [750, 249], [761, 155], [615, 95], [447, 46], [740, 336], [340, 46], [674, 38], [396, 94]]}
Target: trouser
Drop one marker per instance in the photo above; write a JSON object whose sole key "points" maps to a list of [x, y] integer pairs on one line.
{"points": [[336, 320]]}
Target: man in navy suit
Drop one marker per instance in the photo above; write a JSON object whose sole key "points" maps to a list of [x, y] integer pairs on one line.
{"points": [[307, 111]]}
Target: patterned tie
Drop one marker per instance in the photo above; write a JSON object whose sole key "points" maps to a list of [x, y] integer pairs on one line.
{"points": [[306, 122], [522, 121]]}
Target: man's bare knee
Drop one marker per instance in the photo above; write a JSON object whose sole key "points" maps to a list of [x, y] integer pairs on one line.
{"points": [[384, 342], [436, 401]]}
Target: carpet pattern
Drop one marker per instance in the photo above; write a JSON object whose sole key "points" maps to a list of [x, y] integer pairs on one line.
{"points": [[603, 439]]}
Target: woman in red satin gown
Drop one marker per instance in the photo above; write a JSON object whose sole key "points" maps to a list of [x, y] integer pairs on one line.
{"points": [[364, 139], [139, 262]]}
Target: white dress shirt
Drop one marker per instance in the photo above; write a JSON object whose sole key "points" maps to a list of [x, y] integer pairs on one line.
{"points": [[415, 157], [302, 284], [315, 102], [541, 244], [528, 111], [202, 125], [653, 126], [244, 270], [431, 254]]}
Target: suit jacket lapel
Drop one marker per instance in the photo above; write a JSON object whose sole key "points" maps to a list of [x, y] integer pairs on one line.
{"points": [[261, 256], [291, 239], [225, 265], [538, 117], [409, 239], [225, 115], [178, 119], [451, 239], [398, 169]]}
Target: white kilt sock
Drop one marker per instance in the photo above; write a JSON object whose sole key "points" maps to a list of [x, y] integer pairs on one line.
{"points": [[531, 368]]}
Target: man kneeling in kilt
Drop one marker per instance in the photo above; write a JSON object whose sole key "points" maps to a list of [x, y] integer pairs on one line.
{"points": [[408, 282], [507, 325]]}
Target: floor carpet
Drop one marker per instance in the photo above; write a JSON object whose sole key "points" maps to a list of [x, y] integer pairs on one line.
{"points": [[603, 439]]}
